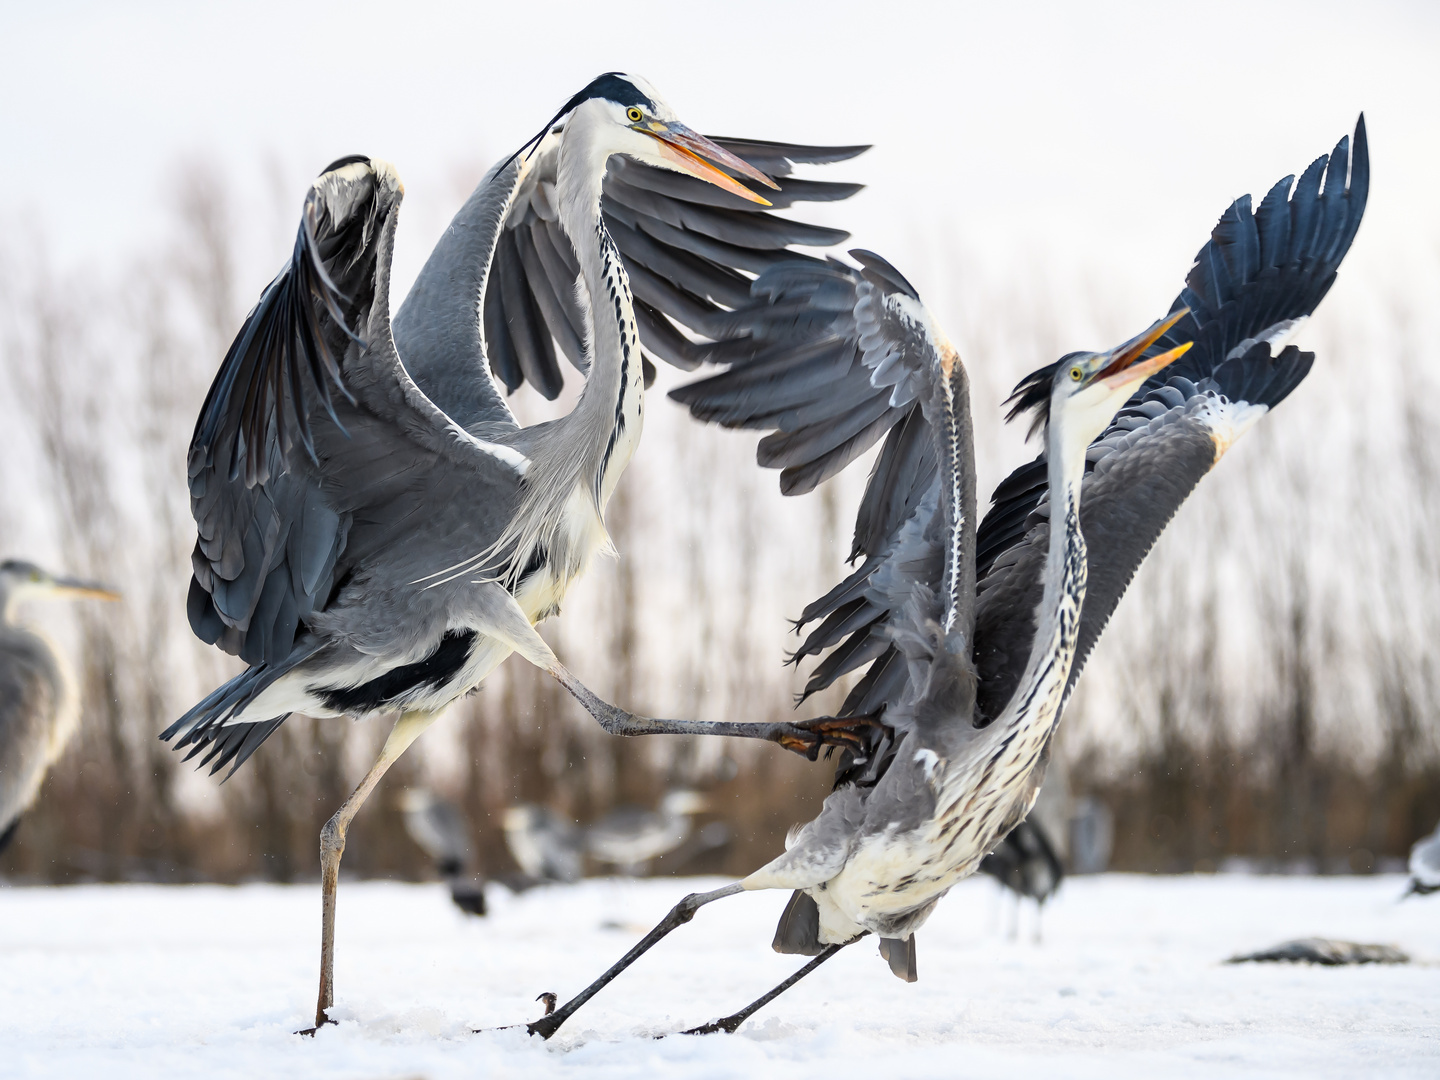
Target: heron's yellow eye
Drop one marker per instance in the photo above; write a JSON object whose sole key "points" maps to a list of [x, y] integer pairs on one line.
{"points": [[634, 115], [34, 575], [1076, 374]]}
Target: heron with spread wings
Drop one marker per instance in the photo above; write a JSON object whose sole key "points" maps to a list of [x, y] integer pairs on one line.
{"points": [[974, 637], [376, 530]]}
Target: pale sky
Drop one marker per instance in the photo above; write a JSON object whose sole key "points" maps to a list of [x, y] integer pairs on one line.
{"points": [[1097, 136]]}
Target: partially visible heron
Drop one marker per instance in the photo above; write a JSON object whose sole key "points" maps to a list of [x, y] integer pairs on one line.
{"points": [[974, 639], [1025, 863], [547, 846], [376, 530], [1425, 865], [39, 705], [630, 837], [1029, 862], [440, 831]]}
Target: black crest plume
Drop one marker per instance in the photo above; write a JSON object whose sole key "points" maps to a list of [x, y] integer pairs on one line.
{"points": [[612, 86]]}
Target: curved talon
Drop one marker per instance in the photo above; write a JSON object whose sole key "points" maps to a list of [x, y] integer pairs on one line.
{"points": [[549, 997], [310, 1031], [727, 1025], [854, 733]]}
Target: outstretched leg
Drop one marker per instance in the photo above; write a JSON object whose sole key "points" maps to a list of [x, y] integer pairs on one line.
{"points": [[332, 845], [858, 734], [506, 622], [728, 1024], [679, 915]]}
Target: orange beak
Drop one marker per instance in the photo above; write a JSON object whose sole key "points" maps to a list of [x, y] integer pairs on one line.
{"points": [[694, 154], [1127, 369]]}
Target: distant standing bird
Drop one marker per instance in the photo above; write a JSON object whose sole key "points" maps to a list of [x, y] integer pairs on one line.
{"points": [[39, 705], [630, 838], [1425, 865], [547, 846], [377, 532], [974, 639], [1025, 863], [440, 830]]}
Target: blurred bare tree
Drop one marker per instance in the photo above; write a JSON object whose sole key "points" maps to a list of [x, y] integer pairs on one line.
{"points": [[1268, 690]]}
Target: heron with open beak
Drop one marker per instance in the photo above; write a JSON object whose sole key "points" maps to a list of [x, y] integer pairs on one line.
{"points": [[376, 530]]}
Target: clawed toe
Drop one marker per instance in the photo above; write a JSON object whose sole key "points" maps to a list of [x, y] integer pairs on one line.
{"points": [[310, 1031], [857, 734]]}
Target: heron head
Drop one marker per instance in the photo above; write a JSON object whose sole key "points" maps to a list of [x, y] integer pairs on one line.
{"points": [[21, 580], [1088, 388], [634, 120]]}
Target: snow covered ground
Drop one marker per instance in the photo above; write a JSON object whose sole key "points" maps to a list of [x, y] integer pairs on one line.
{"points": [[120, 981]]}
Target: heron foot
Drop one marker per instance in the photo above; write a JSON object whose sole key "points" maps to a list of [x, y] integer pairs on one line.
{"points": [[727, 1024], [310, 1031], [857, 734]]}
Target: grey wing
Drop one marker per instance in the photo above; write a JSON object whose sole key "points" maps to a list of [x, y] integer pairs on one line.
{"points": [[438, 329], [688, 248], [314, 447], [844, 358], [1260, 275]]}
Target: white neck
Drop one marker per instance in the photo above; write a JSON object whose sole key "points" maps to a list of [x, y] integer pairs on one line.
{"points": [[606, 421], [1040, 694]]}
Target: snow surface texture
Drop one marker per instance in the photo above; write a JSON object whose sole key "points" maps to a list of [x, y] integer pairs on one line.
{"points": [[121, 981]]}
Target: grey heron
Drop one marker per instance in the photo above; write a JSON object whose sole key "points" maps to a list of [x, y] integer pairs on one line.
{"points": [[376, 531], [39, 704], [630, 838], [1425, 865], [1025, 863], [545, 845], [440, 831], [549, 847], [1029, 861], [974, 638]]}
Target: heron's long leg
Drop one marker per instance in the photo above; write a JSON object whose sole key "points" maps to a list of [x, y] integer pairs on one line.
{"points": [[805, 737], [332, 845], [507, 623], [680, 914], [728, 1024]]}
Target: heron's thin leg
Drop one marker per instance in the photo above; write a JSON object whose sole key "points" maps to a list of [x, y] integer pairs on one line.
{"points": [[728, 1024], [680, 914], [508, 624], [805, 737], [332, 845]]}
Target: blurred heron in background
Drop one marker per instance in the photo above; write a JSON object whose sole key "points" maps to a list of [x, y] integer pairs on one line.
{"points": [[1425, 865], [376, 530], [39, 705], [974, 638], [1029, 862], [549, 847], [631, 837], [441, 832]]}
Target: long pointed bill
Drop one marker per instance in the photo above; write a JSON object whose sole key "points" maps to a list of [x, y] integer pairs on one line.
{"points": [[1127, 354], [75, 587], [693, 154], [1137, 373]]}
